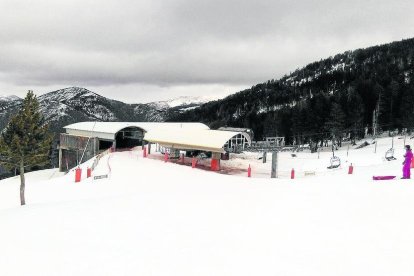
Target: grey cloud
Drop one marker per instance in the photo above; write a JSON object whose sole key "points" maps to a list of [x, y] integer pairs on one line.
{"points": [[184, 42]]}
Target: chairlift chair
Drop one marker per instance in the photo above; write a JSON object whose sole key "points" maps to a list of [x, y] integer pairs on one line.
{"points": [[335, 162], [389, 155]]}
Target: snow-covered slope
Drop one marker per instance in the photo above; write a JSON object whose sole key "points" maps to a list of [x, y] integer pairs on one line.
{"points": [[8, 106], [156, 218]]}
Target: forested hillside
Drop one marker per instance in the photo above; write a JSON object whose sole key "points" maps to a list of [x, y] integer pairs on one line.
{"points": [[331, 98]]}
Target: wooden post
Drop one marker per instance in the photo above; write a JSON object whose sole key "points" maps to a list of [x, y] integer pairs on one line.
{"points": [[274, 165], [264, 156], [149, 148]]}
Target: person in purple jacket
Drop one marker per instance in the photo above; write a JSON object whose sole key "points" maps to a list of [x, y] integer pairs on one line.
{"points": [[407, 162]]}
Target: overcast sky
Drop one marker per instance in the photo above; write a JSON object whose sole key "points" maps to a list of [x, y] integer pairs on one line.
{"points": [[144, 50]]}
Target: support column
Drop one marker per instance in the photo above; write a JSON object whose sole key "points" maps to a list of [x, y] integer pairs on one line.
{"points": [[149, 148], [215, 161], [60, 160], [274, 165]]}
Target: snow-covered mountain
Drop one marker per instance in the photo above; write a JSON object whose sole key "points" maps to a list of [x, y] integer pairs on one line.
{"points": [[342, 90], [9, 98], [75, 104]]}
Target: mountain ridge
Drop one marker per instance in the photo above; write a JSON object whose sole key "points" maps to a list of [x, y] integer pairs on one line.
{"points": [[75, 104], [333, 97]]}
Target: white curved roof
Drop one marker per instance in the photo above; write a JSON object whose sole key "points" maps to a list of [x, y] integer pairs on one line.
{"points": [[107, 130], [172, 135], [200, 139]]}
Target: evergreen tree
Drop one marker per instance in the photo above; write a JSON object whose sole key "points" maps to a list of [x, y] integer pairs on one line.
{"points": [[407, 109], [26, 141], [335, 124]]}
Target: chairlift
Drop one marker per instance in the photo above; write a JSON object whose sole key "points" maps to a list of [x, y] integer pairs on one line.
{"points": [[335, 162], [389, 155]]}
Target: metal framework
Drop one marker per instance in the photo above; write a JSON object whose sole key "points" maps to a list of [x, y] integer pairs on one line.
{"points": [[236, 144]]}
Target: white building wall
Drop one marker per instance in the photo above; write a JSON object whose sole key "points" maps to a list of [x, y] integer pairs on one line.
{"points": [[86, 133]]}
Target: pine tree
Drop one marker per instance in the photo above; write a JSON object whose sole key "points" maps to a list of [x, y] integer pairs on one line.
{"points": [[26, 141], [335, 124]]}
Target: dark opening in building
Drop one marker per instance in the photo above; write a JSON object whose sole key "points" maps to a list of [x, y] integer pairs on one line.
{"points": [[105, 144], [129, 137]]}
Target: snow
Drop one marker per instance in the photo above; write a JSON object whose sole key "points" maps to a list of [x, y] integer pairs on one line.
{"points": [[201, 139], [108, 130], [407, 78], [56, 104], [184, 100], [156, 218], [189, 108], [9, 98]]}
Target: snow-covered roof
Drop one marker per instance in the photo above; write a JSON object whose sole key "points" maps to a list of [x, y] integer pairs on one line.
{"points": [[173, 135], [107, 130], [199, 139]]}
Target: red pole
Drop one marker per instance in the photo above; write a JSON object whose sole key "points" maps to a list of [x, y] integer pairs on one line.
{"points": [[350, 169], [249, 171], [182, 158], [88, 172], [193, 162], [144, 152], [78, 173], [292, 174], [165, 156], [213, 164]]}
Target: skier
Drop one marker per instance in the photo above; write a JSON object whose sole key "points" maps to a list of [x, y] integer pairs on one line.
{"points": [[407, 162]]}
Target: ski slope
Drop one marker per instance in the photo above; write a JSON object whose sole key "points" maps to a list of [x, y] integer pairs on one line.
{"points": [[156, 218]]}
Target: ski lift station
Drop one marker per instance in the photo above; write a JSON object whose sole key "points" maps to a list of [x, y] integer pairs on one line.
{"points": [[85, 140]]}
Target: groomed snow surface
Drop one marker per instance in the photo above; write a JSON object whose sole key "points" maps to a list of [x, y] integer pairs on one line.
{"points": [[156, 218]]}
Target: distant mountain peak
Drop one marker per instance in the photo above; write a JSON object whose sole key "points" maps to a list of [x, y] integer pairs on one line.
{"points": [[9, 98], [69, 93]]}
